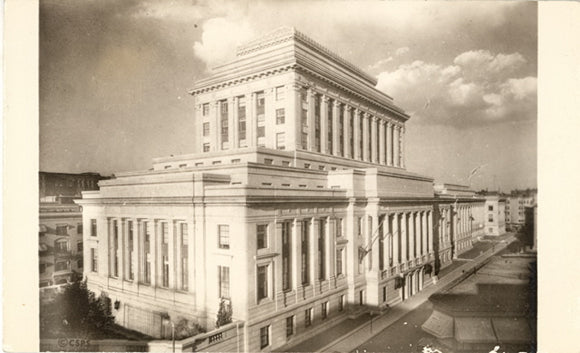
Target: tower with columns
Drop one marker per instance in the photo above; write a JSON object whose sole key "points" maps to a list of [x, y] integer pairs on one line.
{"points": [[295, 206]]}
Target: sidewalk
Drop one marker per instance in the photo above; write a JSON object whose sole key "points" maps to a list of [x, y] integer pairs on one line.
{"points": [[350, 334]]}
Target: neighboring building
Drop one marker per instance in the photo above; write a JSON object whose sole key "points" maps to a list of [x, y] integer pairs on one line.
{"points": [[295, 209], [531, 227], [60, 234], [516, 204], [461, 211], [495, 210]]}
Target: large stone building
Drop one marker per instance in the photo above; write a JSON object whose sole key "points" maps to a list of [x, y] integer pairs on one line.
{"points": [[295, 208]]}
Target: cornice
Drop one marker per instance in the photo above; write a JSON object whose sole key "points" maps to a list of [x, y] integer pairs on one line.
{"points": [[286, 34]]}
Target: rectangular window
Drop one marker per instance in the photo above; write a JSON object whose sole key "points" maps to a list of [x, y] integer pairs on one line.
{"points": [[321, 249], [384, 294], [242, 120], [147, 241], [205, 109], [359, 226], [264, 336], [490, 208], [490, 218], [280, 141], [338, 262], [286, 257], [224, 282], [79, 228], [280, 117], [280, 93], [268, 161], [262, 236], [184, 256], [224, 236], [205, 129], [317, 123], [304, 256], [61, 245], [339, 226], [164, 255], [62, 229], [206, 147], [80, 246], [61, 266], [289, 326], [324, 310], [341, 303], [115, 249], [224, 124], [93, 227], [262, 282], [130, 249], [41, 268], [308, 317], [261, 119], [94, 260]]}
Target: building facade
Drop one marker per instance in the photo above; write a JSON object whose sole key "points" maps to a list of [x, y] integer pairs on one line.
{"points": [[60, 234], [516, 203], [495, 214], [296, 208]]}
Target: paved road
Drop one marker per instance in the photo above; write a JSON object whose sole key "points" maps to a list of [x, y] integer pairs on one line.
{"points": [[403, 335]]}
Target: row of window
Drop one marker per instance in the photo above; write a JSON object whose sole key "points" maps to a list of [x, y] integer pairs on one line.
{"points": [[142, 230], [265, 332], [62, 229]]}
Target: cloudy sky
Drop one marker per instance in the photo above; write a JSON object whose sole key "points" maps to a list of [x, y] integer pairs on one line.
{"points": [[114, 77]]}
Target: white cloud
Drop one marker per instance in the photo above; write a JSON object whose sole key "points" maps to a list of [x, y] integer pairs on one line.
{"points": [[477, 87], [380, 63], [402, 51], [521, 88], [484, 61], [219, 36]]}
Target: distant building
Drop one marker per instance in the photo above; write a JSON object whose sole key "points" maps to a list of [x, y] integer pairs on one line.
{"points": [[60, 225], [295, 210], [516, 203], [494, 214]]}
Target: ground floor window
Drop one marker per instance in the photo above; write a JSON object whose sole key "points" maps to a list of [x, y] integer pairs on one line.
{"points": [[289, 326], [324, 310], [308, 317], [264, 336], [341, 303]]}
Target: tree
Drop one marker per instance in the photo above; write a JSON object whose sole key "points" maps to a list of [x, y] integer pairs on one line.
{"points": [[224, 315], [76, 312]]}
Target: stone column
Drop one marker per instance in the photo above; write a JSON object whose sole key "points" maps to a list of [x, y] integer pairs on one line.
{"points": [[356, 134], [324, 125], [171, 253], [375, 244], [178, 262], [382, 142], [121, 247], [335, 130], [374, 142], [412, 252], [389, 143], [396, 238], [310, 115], [296, 253], [136, 251], [365, 135], [346, 137], [313, 247], [404, 244], [402, 163], [425, 233], [153, 241], [396, 146], [429, 232], [387, 234]]}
